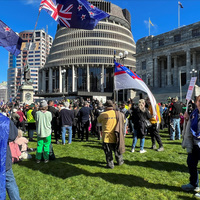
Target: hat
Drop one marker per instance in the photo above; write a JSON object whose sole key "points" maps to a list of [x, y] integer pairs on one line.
{"points": [[43, 104], [109, 103], [14, 110]]}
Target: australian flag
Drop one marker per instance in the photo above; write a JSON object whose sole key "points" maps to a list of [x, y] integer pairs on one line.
{"points": [[9, 39], [74, 13]]}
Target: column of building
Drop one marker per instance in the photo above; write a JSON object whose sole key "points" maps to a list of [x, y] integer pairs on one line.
{"points": [[188, 64], [60, 79], [162, 73], [156, 72], [88, 78], [169, 70], [102, 78], [50, 80], [176, 73]]}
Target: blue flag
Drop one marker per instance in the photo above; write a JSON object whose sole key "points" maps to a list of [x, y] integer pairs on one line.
{"points": [[74, 13], [9, 39]]}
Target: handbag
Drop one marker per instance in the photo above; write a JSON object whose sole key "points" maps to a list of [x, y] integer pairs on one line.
{"points": [[147, 123]]}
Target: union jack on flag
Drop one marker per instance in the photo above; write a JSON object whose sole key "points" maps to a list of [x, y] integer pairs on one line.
{"points": [[73, 13], [57, 11]]}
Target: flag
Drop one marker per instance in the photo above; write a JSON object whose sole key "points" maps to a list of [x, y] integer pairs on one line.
{"points": [[9, 39], [180, 4], [126, 79], [150, 22], [73, 13]]}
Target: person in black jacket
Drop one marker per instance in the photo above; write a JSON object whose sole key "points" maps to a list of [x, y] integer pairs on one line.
{"points": [[176, 109], [66, 118], [54, 124], [75, 126], [139, 115], [84, 115]]}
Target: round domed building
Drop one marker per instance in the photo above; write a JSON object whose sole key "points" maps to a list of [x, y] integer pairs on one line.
{"points": [[80, 62]]}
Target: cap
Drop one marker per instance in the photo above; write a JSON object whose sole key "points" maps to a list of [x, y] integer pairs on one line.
{"points": [[43, 104]]}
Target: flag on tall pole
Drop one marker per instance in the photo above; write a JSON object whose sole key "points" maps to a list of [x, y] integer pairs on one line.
{"points": [[150, 24], [9, 39], [180, 4], [179, 17], [73, 13], [126, 79]]}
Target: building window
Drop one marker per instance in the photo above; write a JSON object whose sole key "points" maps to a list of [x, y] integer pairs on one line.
{"points": [[177, 38], [161, 42], [144, 65], [37, 34], [195, 32], [95, 79]]}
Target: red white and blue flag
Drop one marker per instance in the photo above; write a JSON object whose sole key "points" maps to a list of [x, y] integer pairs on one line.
{"points": [[73, 13], [126, 79]]}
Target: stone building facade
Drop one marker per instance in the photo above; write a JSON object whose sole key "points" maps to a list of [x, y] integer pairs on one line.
{"points": [[165, 60], [80, 62]]}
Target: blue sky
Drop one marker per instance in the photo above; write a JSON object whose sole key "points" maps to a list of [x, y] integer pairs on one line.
{"points": [[21, 15]]}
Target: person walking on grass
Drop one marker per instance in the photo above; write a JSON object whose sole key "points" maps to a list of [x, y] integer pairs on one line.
{"points": [[43, 120], [139, 115], [66, 117], [154, 129], [109, 122], [191, 141]]}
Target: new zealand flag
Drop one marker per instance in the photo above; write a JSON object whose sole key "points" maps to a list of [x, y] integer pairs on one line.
{"points": [[74, 13], [9, 39]]}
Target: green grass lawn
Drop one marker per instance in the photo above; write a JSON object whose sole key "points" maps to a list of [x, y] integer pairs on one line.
{"points": [[79, 173]]}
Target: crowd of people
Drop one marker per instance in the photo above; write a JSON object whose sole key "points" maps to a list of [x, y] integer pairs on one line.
{"points": [[110, 121]]}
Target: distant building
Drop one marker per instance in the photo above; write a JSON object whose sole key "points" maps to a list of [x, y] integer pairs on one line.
{"points": [[80, 62], [36, 59], [165, 60], [3, 92]]}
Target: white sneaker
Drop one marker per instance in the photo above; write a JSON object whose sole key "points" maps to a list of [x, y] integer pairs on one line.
{"points": [[132, 150], [143, 151]]}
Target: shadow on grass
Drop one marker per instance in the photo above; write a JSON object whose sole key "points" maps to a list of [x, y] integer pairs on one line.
{"points": [[159, 165], [184, 197], [65, 168], [94, 146]]}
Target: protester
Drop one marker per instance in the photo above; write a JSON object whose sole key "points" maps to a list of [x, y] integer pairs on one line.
{"points": [[139, 116], [54, 121], [31, 122], [7, 180], [84, 116], [66, 118], [22, 119], [109, 122], [43, 128], [191, 142], [15, 117], [154, 129], [76, 124], [175, 111]]}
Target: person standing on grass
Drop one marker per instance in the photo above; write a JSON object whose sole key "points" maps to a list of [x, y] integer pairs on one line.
{"points": [[54, 125], [31, 122], [43, 128], [8, 133], [66, 118], [191, 141], [139, 116], [84, 116], [109, 122], [154, 129]]}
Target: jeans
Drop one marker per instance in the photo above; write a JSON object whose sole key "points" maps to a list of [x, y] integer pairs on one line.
{"points": [[11, 186], [192, 161], [176, 123], [69, 128], [30, 134], [142, 140]]}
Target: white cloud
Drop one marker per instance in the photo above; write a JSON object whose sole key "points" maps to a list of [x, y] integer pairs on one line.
{"points": [[31, 2]]}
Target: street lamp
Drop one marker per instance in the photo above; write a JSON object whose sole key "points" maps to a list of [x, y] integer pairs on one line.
{"points": [[193, 72], [63, 72], [122, 56]]}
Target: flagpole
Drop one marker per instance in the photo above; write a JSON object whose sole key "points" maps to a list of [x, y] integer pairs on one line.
{"points": [[149, 26], [179, 16]]}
